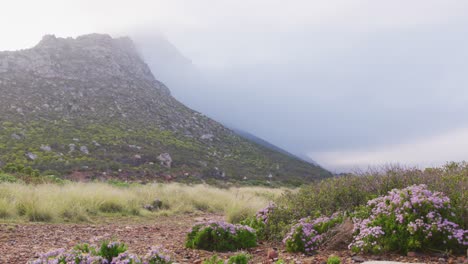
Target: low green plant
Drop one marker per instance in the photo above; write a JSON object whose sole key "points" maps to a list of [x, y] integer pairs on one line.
{"points": [[221, 236], [241, 258], [109, 250], [4, 177], [214, 260], [258, 225], [333, 260]]}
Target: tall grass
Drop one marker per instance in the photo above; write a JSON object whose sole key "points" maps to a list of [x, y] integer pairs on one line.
{"points": [[77, 202]]}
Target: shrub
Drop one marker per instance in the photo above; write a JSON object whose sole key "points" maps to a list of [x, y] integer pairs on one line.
{"points": [[221, 236], [260, 222], [410, 219], [307, 235], [108, 253], [346, 193], [60, 256], [7, 178], [111, 207], [110, 250], [333, 260], [157, 256], [241, 258], [214, 260], [126, 258]]}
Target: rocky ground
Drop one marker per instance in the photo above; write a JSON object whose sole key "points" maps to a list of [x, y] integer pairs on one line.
{"points": [[22, 242]]}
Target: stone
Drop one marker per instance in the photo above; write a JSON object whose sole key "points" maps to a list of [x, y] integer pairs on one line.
{"points": [[358, 259], [46, 148], [71, 147], [165, 159], [207, 136], [272, 254], [84, 150], [31, 156]]}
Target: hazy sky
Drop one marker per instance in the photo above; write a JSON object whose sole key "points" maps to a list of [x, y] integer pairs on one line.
{"points": [[349, 83]]}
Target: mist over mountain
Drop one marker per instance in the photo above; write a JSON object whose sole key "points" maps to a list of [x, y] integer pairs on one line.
{"points": [[91, 105]]}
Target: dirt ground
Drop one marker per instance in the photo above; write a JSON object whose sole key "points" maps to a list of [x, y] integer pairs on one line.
{"points": [[20, 243]]}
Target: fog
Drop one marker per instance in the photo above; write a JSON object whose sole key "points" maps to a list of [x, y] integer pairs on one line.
{"points": [[348, 84]]}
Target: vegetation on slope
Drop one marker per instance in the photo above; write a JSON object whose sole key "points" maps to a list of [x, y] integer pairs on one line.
{"points": [[131, 153]]}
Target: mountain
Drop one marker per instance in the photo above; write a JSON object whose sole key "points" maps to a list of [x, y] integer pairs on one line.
{"points": [[90, 106], [266, 144]]}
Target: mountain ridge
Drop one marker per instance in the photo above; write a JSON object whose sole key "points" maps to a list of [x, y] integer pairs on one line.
{"points": [[109, 115]]}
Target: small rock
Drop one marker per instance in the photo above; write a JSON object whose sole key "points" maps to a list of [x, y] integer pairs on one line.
{"points": [[45, 148], [31, 156], [358, 259], [272, 254], [165, 159]]}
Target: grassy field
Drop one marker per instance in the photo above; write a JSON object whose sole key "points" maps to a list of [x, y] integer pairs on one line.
{"points": [[77, 202]]}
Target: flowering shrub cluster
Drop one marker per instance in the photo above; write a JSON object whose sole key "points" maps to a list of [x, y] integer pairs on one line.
{"points": [[264, 214], [221, 236], [409, 219], [108, 253], [261, 221], [307, 235]]}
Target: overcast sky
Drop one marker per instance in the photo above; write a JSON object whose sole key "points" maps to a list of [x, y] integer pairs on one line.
{"points": [[349, 83]]}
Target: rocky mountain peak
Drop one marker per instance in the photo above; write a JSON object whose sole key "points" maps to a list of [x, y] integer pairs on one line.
{"points": [[84, 102]]}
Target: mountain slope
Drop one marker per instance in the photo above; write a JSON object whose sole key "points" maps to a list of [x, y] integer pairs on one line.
{"points": [[268, 145], [92, 105]]}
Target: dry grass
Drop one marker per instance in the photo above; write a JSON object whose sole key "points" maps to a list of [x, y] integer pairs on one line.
{"points": [[77, 202]]}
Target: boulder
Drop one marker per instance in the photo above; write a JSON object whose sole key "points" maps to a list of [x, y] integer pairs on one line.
{"points": [[165, 159]]}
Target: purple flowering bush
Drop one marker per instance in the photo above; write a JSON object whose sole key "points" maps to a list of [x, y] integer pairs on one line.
{"points": [[60, 256], [157, 256], [260, 222], [409, 219], [308, 234], [107, 253], [221, 236]]}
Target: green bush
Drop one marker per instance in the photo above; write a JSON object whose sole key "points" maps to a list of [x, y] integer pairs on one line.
{"points": [[333, 260], [241, 258], [7, 178], [111, 207], [258, 225], [109, 250], [221, 236], [214, 260]]}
